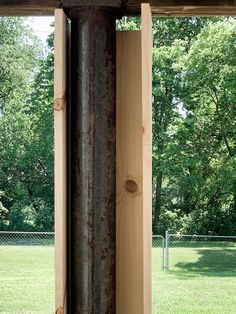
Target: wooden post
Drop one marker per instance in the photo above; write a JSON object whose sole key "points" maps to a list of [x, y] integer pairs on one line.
{"points": [[147, 44], [134, 168], [60, 160]]}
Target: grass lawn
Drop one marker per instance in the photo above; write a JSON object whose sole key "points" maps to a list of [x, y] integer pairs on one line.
{"points": [[201, 280], [27, 279]]}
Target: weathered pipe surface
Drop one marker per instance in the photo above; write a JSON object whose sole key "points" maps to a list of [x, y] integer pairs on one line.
{"points": [[92, 213]]}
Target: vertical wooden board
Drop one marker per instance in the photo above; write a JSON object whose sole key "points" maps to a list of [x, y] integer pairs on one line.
{"points": [[129, 245], [147, 44], [60, 160], [134, 168]]}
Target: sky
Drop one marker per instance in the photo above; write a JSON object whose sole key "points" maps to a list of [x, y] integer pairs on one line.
{"points": [[41, 26]]}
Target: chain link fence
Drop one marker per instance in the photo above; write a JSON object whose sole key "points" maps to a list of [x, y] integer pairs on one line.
{"points": [[199, 274], [27, 267], [194, 252], [174, 248], [27, 246], [26, 238], [158, 251], [200, 253]]}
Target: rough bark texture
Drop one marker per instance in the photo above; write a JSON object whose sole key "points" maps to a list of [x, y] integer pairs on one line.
{"points": [[157, 211]]}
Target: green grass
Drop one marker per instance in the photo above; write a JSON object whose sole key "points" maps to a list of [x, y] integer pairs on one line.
{"points": [[26, 279], [201, 280]]}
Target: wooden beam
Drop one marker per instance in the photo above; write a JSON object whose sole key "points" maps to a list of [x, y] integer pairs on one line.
{"points": [[47, 7], [134, 190], [147, 44], [129, 242], [28, 7], [185, 7], [132, 7], [60, 160], [194, 11]]}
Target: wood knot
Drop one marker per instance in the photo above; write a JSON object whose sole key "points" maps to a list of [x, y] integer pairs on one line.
{"points": [[60, 311], [59, 104], [131, 186]]}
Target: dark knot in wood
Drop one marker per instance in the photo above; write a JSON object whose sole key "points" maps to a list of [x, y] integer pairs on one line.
{"points": [[60, 311], [59, 104], [131, 186]]}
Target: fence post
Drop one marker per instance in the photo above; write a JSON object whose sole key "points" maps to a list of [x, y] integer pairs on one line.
{"points": [[167, 251]]}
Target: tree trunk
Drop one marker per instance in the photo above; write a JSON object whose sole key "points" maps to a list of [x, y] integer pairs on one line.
{"points": [[157, 209], [234, 200]]}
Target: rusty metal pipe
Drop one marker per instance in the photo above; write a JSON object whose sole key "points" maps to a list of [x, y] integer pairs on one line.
{"points": [[92, 162]]}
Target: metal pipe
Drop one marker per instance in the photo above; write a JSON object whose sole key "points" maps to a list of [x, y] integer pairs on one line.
{"points": [[91, 270], [167, 251], [163, 253]]}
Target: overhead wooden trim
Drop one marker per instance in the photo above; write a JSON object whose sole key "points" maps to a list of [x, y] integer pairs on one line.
{"points": [[134, 168], [60, 160], [132, 7], [28, 7], [185, 7], [179, 11]]}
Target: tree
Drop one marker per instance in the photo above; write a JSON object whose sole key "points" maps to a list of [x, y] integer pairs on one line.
{"points": [[194, 187], [19, 52], [26, 133], [208, 95], [43, 143], [170, 45]]}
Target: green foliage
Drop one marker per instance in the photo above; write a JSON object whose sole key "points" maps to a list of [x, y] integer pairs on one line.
{"points": [[194, 118], [194, 146], [26, 131], [19, 51], [194, 115], [128, 24]]}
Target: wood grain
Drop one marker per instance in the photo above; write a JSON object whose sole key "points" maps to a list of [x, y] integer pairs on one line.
{"points": [[129, 245], [179, 11], [28, 7], [60, 160], [147, 43], [134, 169], [185, 7], [132, 7]]}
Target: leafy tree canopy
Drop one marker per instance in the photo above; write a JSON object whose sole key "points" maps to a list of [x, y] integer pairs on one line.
{"points": [[26, 129]]}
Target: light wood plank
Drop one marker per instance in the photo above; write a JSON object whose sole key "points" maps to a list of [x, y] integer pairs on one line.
{"points": [[28, 7], [60, 159], [185, 7], [159, 7], [134, 190], [147, 43], [129, 246], [188, 10]]}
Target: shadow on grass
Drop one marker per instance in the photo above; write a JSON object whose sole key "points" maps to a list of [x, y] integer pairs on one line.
{"points": [[214, 262]]}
